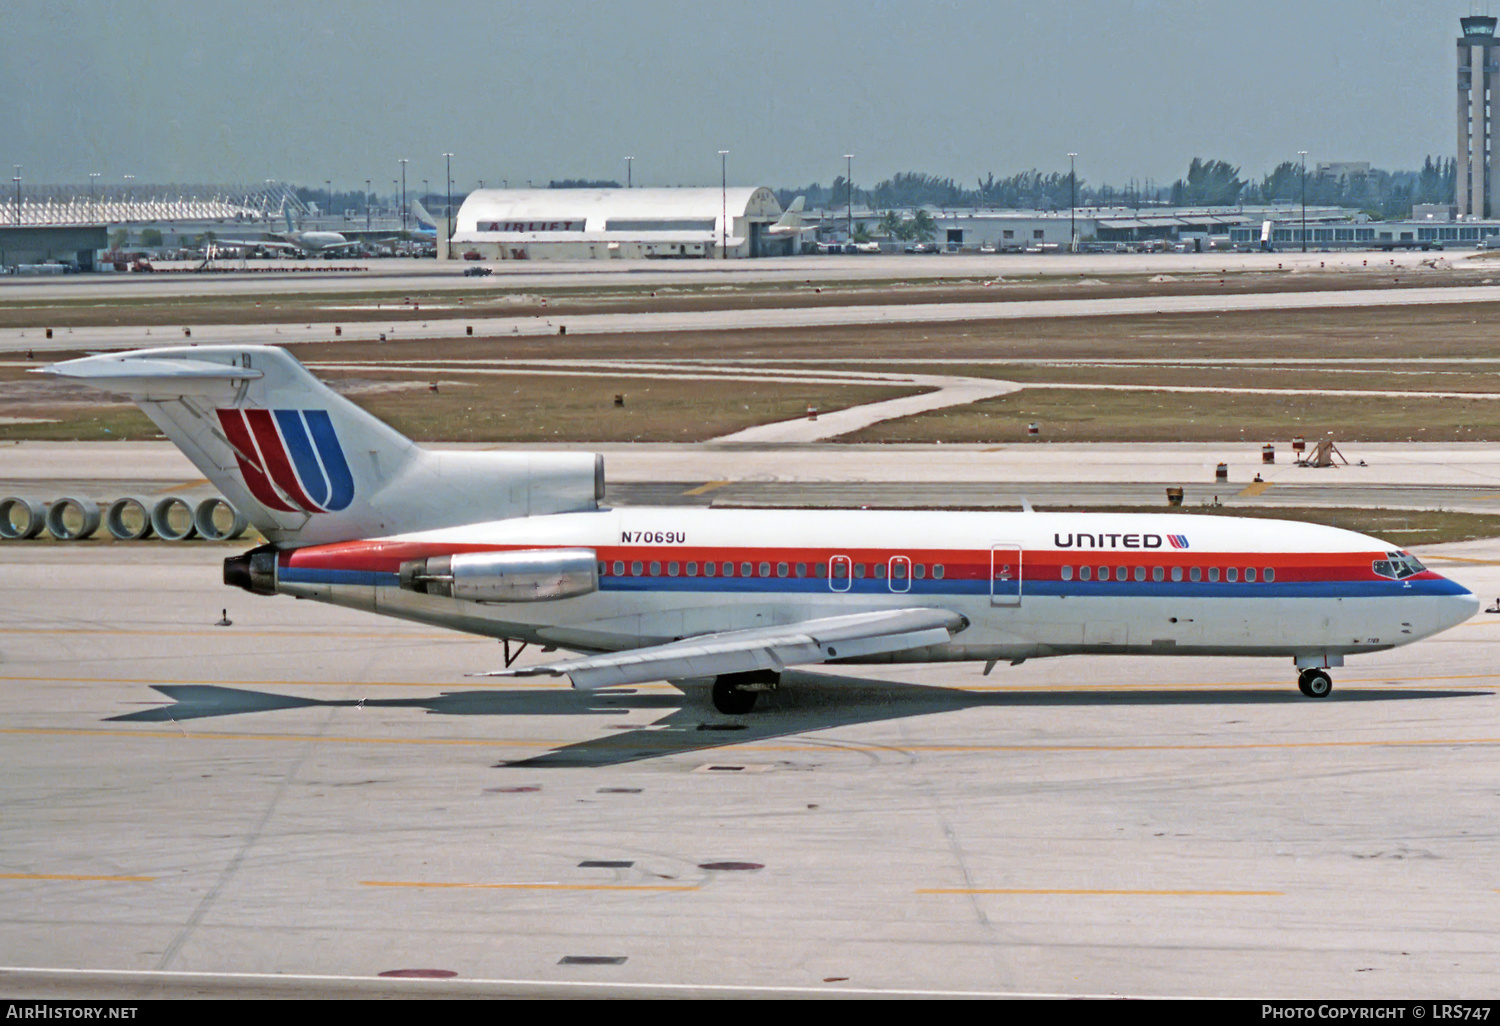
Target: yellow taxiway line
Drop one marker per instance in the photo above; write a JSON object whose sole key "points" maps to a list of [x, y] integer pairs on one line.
{"points": [[706, 488]]}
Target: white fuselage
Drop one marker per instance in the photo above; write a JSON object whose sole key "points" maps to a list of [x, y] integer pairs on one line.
{"points": [[1029, 584]]}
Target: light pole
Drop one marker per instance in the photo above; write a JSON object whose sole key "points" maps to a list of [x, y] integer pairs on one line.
{"points": [[1303, 155], [426, 190], [724, 195], [1072, 202], [448, 206], [627, 171], [93, 204], [849, 182], [367, 204], [403, 162], [328, 196]]}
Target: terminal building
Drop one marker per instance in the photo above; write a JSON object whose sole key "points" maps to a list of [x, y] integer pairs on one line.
{"points": [[601, 224]]}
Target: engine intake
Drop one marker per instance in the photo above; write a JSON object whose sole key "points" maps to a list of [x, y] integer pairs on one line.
{"points": [[541, 575]]}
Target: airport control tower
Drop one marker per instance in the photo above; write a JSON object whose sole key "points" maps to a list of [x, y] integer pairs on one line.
{"points": [[1478, 74]]}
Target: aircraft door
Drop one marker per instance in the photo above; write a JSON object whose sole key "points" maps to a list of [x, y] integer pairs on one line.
{"points": [[898, 573], [840, 573], [1005, 575]]}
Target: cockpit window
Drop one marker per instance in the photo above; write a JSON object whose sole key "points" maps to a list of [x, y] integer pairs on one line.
{"points": [[1397, 566]]}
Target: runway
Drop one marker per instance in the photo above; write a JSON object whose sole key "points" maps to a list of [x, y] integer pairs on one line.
{"points": [[398, 275], [534, 324], [1396, 476], [322, 797]]}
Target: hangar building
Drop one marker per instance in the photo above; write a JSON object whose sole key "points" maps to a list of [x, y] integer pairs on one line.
{"points": [[583, 224]]}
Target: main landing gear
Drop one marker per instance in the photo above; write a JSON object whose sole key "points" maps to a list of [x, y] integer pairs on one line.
{"points": [[735, 693], [1315, 683]]}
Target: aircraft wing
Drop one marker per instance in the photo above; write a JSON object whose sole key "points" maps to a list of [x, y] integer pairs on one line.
{"points": [[758, 648], [252, 244]]}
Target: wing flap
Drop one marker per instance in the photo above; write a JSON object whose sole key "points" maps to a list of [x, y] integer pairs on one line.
{"points": [[761, 648]]}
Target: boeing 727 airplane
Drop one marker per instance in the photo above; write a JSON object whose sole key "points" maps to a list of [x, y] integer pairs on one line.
{"points": [[517, 546]]}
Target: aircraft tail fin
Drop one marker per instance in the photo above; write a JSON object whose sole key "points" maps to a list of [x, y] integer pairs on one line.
{"points": [[308, 466], [422, 215], [791, 218]]}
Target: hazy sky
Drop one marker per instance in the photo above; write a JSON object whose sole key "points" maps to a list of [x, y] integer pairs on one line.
{"points": [[209, 91]]}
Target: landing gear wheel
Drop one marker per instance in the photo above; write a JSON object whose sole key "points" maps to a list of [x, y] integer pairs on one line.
{"points": [[1315, 683], [730, 699]]}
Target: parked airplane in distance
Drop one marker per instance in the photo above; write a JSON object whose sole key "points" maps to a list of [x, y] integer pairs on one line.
{"points": [[517, 546], [790, 222], [309, 243]]}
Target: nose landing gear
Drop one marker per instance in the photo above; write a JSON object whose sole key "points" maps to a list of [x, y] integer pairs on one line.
{"points": [[735, 693], [1315, 683]]}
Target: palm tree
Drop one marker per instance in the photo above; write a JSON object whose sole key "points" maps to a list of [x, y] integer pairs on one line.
{"points": [[923, 227], [890, 225]]}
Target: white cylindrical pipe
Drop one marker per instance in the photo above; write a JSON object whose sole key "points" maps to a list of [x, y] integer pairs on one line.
{"points": [[128, 518], [57, 518], [162, 519], [208, 528], [14, 528]]}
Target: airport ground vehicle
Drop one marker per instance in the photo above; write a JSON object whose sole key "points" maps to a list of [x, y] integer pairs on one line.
{"points": [[517, 546]]}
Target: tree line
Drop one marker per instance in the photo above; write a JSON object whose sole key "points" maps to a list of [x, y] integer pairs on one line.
{"points": [[1208, 182]]}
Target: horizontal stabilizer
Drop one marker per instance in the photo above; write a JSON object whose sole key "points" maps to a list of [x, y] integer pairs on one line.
{"points": [[760, 648], [164, 374]]}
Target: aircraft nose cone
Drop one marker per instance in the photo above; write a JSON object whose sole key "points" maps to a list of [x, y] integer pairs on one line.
{"points": [[1459, 607]]}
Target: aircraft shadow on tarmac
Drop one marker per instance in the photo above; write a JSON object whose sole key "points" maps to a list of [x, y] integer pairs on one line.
{"points": [[808, 702]]}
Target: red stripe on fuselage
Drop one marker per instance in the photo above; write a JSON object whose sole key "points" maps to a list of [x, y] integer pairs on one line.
{"points": [[959, 564], [255, 478]]}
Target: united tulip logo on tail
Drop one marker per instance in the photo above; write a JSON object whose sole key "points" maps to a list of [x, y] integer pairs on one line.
{"points": [[290, 456]]}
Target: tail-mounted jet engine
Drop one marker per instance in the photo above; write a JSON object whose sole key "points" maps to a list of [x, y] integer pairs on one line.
{"points": [[535, 576]]}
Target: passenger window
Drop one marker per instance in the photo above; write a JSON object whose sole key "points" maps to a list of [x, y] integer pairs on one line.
{"points": [[1067, 573], [746, 570], [1158, 574], [878, 571], [1140, 573], [937, 571], [1269, 575], [636, 568], [603, 568], [1085, 572], [801, 569], [1122, 574], [919, 571], [859, 570], [1232, 575], [710, 569], [655, 569], [1104, 573], [840, 570], [1213, 575], [1250, 574], [1195, 574], [728, 570], [692, 569], [1177, 573], [672, 569], [782, 570], [619, 568]]}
